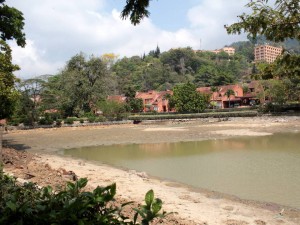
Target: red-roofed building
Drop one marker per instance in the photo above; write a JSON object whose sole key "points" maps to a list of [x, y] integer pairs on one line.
{"points": [[155, 101], [220, 100], [219, 97]]}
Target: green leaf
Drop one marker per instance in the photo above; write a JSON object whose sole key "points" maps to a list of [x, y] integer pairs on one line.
{"points": [[149, 197], [82, 182], [156, 206], [12, 206], [135, 217], [140, 212]]}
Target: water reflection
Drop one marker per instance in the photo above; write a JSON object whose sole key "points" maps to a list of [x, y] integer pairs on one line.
{"points": [[259, 168]]}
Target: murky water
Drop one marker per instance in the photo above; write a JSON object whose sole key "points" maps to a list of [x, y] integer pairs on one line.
{"points": [[256, 168]]}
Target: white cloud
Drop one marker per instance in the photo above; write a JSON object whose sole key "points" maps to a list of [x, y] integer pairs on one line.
{"points": [[57, 30], [209, 17], [32, 61]]}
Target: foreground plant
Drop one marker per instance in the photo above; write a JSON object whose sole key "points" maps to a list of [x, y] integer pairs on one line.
{"points": [[28, 204], [151, 210]]}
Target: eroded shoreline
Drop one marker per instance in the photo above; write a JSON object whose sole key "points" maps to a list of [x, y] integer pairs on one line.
{"points": [[192, 205]]}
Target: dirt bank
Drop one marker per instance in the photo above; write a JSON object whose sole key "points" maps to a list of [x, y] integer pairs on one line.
{"points": [[193, 207]]}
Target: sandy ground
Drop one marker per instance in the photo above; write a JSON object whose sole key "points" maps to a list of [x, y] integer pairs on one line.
{"points": [[193, 206]]}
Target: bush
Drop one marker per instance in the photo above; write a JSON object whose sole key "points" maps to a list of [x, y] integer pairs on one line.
{"points": [[58, 122], [100, 119], [27, 204], [70, 120], [46, 121], [92, 119]]}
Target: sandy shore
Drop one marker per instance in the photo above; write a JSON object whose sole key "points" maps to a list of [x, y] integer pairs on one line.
{"points": [[192, 206]]}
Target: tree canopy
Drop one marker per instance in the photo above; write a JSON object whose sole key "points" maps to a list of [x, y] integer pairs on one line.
{"points": [[11, 27], [11, 24], [276, 23]]}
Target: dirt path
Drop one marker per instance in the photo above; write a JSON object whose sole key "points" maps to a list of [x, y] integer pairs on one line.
{"points": [[193, 207]]}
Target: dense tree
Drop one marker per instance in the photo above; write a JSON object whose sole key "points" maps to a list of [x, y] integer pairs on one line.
{"points": [[133, 104], [8, 92], [187, 99], [28, 107], [11, 27], [79, 86], [11, 24]]}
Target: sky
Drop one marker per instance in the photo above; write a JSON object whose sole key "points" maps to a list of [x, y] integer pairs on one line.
{"points": [[57, 30]]}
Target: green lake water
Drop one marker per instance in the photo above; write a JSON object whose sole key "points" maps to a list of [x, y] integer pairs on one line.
{"points": [[256, 168]]}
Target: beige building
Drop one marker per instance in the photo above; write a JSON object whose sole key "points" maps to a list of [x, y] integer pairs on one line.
{"points": [[266, 53], [228, 50]]}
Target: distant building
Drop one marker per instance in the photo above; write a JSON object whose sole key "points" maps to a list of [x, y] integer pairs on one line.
{"points": [[155, 100], [219, 96], [228, 50], [266, 53]]}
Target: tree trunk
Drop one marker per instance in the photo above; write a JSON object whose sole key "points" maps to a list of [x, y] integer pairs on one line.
{"points": [[1, 137]]}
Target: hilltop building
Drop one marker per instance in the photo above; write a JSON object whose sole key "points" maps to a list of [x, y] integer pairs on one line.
{"points": [[266, 53], [228, 50]]}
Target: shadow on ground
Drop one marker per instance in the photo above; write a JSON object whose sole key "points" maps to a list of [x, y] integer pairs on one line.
{"points": [[9, 143]]}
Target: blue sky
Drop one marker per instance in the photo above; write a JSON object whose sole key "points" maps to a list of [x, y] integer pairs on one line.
{"points": [[57, 30]]}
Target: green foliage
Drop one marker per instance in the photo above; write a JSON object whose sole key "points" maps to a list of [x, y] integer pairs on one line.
{"points": [[187, 99], [28, 204], [151, 210], [8, 93], [70, 120], [11, 24], [275, 23], [46, 120], [112, 110], [28, 106], [136, 10], [78, 87], [58, 122]]}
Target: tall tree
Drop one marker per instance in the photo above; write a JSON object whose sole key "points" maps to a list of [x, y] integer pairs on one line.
{"points": [[79, 86], [11, 27], [228, 93], [187, 99]]}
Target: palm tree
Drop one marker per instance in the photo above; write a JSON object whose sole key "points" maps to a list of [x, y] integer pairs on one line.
{"points": [[214, 89], [228, 93]]}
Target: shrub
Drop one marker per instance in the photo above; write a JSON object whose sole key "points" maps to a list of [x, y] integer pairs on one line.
{"points": [[92, 119], [28, 204], [58, 122], [100, 119], [46, 121], [70, 120]]}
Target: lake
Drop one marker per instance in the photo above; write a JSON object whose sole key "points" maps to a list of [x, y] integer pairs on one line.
{"points": [[263, 168]]}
